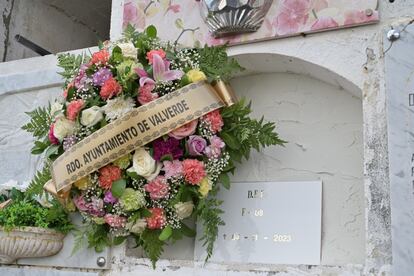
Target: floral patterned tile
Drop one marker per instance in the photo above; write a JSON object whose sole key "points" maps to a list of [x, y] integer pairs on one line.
{"points": [[285, 18]]}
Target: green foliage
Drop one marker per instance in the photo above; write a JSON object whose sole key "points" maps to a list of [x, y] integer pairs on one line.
{"points": [[38, 181], [209, 214], [242, 133], [40, 121], [98, 237], [215, 63], [28, 213], [118, 188], [70, 65], [152, 245]]}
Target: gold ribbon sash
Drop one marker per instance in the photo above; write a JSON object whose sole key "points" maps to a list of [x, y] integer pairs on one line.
{"points": [[137, 128]]}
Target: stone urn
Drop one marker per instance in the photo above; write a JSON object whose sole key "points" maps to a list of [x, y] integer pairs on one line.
{"points": [[231, 17], [29, 242]]}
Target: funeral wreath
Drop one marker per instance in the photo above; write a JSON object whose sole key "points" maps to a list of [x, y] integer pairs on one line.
{"points": [[141, 139]]}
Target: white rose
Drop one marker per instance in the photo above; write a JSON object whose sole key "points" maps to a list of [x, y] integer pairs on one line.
{"points": [[63, 128], [184, 209], [137, 227], [56, 109], [128, 50], [91, 116], [144, 165]]}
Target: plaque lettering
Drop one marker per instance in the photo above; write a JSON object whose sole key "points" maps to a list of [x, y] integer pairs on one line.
{"points": [[411, 100], [255, 193]]}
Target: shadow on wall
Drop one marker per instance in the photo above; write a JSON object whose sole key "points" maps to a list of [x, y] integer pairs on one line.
{"points": [[51, 26]]}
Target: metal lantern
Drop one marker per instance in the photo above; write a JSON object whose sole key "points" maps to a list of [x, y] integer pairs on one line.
{"points": [[230, 17]]}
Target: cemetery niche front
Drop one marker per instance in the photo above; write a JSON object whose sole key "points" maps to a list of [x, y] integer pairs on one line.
{"points": [[320, 115]]}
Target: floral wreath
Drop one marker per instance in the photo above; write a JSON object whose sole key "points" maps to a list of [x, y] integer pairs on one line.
{"points": [[151, 192]]}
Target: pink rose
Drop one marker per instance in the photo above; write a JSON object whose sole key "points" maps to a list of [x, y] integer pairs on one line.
{"points": [[196, 145], [293, 14], [184, 131], [157, 220], [115, 220], [73, 109], [324, 23], [194, 171], [158, 188], [52, 138]]}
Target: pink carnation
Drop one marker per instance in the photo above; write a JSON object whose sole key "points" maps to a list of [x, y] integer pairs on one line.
{"points": [[145, 94], [194, 171], [51, 136], [150, 54], [215, 120], [184, 131], [171, 169], [115, 220], [110, 89], [158, 188], [101, 57], [157, 220], [73, 109]]}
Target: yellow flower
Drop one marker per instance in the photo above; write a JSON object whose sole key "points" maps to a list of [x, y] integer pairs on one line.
{"points": [[124, 161], [83, 183], [195, 75], [70, 206], [204, 187]]}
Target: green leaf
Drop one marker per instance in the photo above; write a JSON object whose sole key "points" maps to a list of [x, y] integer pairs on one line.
{"points": [[118, 240], [187, 231], [39, 147], [151, 31], [225, 180], [52, 150], [39, 180], [152, 245], [146, 213], [40, 121], [230, 141], [166, 233], [179, 23], [118, 188]]}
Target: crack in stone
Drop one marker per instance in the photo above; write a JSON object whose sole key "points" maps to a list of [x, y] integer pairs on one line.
{"points": [[6, 23]]}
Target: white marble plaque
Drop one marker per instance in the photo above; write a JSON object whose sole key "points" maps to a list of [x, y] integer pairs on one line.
{"points": [[399, 69], [269, 222]]}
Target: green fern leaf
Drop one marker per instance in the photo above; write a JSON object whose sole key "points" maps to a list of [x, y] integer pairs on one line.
{"points": [[40, 121], [38, 181], [152, 245]]}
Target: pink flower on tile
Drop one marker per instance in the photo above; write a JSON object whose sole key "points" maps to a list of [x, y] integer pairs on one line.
{"points": [[172, 168], [324, 23], [320, 5], [357, 17], [292, 15], [133, 15]]}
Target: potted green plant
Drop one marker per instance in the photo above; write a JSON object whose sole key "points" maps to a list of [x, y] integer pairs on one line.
{"points": [[28, 228]]}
